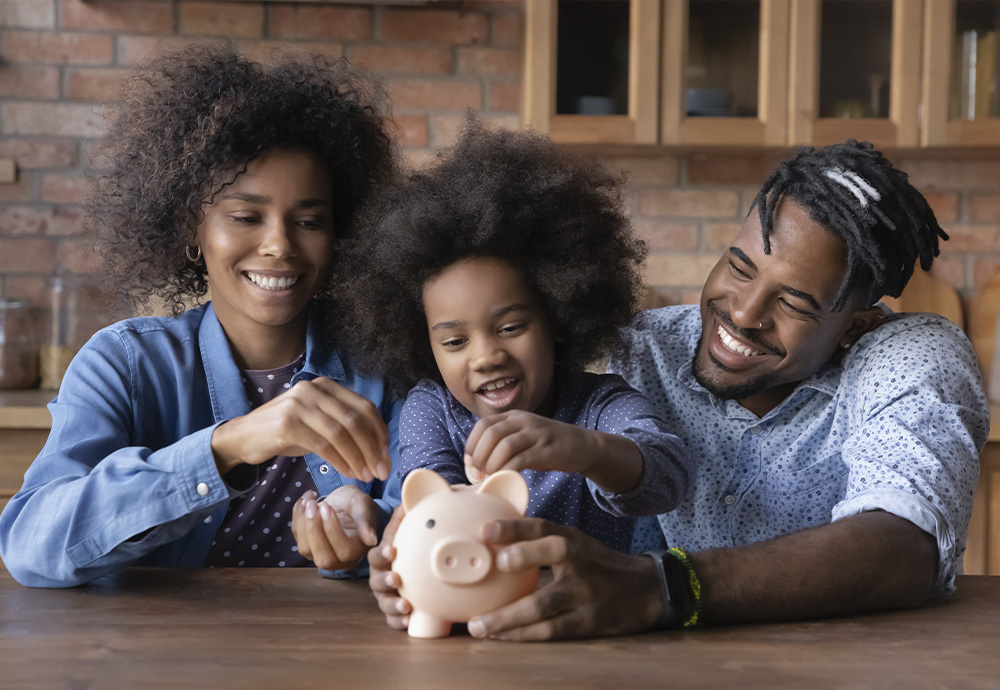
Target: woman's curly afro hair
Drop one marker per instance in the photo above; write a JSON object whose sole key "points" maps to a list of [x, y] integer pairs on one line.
{"points": [[188, 122], [513, 196]]}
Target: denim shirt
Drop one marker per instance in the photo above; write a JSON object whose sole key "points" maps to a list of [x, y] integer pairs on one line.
{"points": [[127, 475], [895, 424]]}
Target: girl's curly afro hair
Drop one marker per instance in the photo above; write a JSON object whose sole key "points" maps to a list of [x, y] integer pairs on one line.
{"points": [[514, 196], [188, 122]]}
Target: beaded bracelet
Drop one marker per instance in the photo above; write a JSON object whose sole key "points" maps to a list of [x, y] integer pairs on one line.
{"points": [[693, 583]]}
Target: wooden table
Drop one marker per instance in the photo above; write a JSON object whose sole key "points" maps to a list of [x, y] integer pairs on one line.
{"points": [[271, 628]]}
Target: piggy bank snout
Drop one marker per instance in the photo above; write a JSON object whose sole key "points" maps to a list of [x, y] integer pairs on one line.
{"points": [[461, 560]]}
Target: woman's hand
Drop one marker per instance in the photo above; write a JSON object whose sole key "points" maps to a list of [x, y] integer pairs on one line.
{"points": [[318, 416], [595, 590], [383, 582], [335, 533], [519, 440]]}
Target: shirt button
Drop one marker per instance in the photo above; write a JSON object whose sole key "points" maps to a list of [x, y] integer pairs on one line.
{"points": [[755, 430], [729, 500], [324, 469], [208, 520], [202, 489]]}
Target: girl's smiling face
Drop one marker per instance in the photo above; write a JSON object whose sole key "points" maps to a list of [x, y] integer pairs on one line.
{"points": [[492, 338]]}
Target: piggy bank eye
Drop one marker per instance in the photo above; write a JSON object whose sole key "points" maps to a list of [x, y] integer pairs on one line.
{"points": [[430, 524]]}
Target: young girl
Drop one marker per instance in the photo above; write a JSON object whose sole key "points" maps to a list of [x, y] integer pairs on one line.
{"points": [[493, 279], [183, 440]]}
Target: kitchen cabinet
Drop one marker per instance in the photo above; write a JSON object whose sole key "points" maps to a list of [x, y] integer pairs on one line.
{"points": [[24, 426], [961, 73], [769, 73], [982, 555], [854, 72], [600, 82]]}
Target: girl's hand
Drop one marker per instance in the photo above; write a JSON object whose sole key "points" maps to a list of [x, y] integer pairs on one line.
{"points": [[519, 440], [383, 582], [336, 533], [318, 416]]}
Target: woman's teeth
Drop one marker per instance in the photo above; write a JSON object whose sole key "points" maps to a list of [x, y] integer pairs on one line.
{"points": [[733, 345], [492, 386], [272, 283]]}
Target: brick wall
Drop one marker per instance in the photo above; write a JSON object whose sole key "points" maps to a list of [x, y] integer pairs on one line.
{"points": [[60, 58]]}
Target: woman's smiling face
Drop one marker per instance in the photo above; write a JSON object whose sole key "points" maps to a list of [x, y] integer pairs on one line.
{"points": [[267, 240]]}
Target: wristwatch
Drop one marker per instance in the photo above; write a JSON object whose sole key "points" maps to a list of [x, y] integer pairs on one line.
{"points": [[674, 588]]}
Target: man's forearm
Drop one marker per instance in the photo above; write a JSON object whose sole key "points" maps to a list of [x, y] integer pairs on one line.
{"points": [[870, 561]]}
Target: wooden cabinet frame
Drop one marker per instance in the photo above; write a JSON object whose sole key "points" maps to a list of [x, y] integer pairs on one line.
{"points": [[788, 94], [900, 129], [938, 128], [639, 126], [769, 128]]}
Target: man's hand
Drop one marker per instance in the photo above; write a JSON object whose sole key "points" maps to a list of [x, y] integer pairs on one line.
{"points": [[383, 582], [335, 533], [595, 590]]}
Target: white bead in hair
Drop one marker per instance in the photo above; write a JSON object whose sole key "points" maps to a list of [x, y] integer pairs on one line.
{"points": [[861, 189]]}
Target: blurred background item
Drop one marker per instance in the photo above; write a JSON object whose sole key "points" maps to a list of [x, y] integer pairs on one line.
{"points": [[18, 345]]}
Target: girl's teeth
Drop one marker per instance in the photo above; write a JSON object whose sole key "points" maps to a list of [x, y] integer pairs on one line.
{"points": [[734, 345], [498, 384], [272, 283]]}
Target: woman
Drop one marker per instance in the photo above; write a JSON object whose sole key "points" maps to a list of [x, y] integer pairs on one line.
{"points": [[185, 440]]}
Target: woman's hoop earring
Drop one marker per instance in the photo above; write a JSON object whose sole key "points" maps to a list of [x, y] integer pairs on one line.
{"points": [[193, 256]]}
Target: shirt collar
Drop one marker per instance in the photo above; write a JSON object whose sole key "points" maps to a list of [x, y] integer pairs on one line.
{"points": [[320, 360], [224, 379]]}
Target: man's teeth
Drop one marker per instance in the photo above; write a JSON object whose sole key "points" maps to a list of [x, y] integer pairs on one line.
{"points": [[734, 345], [498, 384], [272, 283]]}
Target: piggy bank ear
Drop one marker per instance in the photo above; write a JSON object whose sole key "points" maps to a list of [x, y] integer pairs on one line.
{"points": [[421, 483], [508, 485]]}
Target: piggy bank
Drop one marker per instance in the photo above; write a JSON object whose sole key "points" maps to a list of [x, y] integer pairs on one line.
{"points": [[447, 573]]}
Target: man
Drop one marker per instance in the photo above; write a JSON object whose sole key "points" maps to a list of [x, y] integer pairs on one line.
{"points": [[837, 444]]}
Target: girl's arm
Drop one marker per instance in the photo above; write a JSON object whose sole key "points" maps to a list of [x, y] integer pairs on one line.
{"points": [[635, 466], [425, 439]]}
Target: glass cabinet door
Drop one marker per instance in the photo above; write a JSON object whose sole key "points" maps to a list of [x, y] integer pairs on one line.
{"points": [[962, 73], [855, 72], [591, 69], [725, 72]]}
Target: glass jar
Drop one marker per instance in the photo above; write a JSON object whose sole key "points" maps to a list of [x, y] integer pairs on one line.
{"points": [[77, 310], [18, 345]]}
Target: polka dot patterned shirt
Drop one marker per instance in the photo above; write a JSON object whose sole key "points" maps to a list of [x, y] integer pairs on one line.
{"points": [[257, 528], [434, 427], [895, 424]]}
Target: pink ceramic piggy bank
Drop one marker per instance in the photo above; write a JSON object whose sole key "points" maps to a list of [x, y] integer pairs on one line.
{"points": [[446, 571]]}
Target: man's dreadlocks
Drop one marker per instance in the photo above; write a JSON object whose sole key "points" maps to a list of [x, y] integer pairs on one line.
{"points": [[852, 190]]}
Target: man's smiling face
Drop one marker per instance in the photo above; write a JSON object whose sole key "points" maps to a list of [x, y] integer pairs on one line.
{"points": [[767, 319]]}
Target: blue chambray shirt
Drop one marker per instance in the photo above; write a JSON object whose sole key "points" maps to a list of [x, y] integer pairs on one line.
{"points": [[129, 452], [895, 424]]}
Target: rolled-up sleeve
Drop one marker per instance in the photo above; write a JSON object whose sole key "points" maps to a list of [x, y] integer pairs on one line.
{"points": [[920, 421]]}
